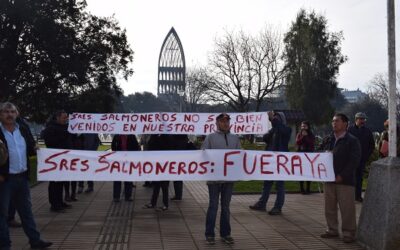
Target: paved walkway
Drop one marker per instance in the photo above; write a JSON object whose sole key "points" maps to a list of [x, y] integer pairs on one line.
{"points": [[95, 222]]}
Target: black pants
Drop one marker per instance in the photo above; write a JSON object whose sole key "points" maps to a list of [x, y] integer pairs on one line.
{"points": [[128, 186], [307, 190], [89, 183], [156, 191], [68, 193], [178, 187], [56, 194]]}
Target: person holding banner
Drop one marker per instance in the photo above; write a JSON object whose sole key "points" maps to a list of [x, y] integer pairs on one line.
{"points": [[222, 139], [305, 141], [124, 143], [346, 152], [56, 135], [159, 142], [277, 139], [14, 175]]}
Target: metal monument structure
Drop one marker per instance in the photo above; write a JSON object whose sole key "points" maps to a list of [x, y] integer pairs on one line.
{"points": [[171, 67]]}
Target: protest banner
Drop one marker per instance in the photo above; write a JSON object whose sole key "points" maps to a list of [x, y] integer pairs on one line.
{"points": [[166, 123], [193, 165]]}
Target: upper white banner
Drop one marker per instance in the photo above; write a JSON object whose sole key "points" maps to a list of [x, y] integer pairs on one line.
{"points": [[166, 123]]}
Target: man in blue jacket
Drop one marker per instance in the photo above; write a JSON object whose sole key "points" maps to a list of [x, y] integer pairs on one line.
{"points": [[277, 139]]}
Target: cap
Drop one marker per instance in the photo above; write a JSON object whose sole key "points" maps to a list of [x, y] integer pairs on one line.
{"points": [[222, 116], [361, 115]]}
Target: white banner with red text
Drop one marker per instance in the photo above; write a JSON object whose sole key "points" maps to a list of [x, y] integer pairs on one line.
{"points": [[166, 123], [193, 165]]}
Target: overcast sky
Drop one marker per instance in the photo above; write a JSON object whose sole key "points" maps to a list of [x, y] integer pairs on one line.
{"points": [[197, 23]]}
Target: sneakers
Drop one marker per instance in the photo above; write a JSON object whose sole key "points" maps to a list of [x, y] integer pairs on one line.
{"points": [[275, 211], [41, 244], [210, 240], [257, 207], [228, 240]]}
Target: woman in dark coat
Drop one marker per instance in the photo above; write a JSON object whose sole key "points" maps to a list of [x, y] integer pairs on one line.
{"points": [[305, 143]]}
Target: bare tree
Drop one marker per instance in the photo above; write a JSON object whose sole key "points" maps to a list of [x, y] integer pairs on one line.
{"points": [[378, 89], [196, 87], [245, 68]]}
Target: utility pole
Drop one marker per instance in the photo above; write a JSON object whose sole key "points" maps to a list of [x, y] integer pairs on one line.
{"points": [[392, 79]]}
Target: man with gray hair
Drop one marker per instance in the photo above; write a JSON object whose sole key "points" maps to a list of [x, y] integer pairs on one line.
{"points": [[14, 178]]}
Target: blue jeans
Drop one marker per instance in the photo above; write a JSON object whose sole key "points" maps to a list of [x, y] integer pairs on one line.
{"points": [[214, 191], [18, 189], [280, 194]]}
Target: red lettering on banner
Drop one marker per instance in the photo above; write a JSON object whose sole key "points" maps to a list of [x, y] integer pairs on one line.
{"points": [[312, 163], [63, 164], [133, 166], [129, 127], [161, 168], [72, 166], [115, 165], [181, 168], [228, 163], [102, 159], [48, 161], [265, 163], [282, 164], [192, 167], [210, 118], [103, 117], [322, 169], [245, 164], [172, 167], [145, 164], [203, 167], [85, 163], [296, 163]]}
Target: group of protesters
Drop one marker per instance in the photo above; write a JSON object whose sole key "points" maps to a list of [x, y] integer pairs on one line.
{"points": [[351, 147]]}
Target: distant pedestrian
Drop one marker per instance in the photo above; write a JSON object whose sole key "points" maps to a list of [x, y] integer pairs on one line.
{"points": [[366, 139], [305, 141]]}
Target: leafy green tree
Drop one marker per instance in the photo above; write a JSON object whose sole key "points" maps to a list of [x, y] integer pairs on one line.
{"points": [[54, 54], [312, 57], [144, 102]]}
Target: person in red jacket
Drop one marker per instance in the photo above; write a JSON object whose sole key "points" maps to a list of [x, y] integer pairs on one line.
{"points": [[305, 143]]}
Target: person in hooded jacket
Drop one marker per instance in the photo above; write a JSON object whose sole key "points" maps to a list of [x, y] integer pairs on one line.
{"points": [[277, 139]]}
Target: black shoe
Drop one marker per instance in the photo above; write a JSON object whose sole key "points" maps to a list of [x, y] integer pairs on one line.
{"points": [[257, 207], [228, 240], [328, 235], [74, 199], [41, 244], [176, 199], [66, 205], [89, 190], [57, 209], [210, 240], [275, 211], [13, 223], [359, 199], [148, 206]]}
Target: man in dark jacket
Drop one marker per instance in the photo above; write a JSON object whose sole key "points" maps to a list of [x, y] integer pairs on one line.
{"points": [[56, 135], [124, 143], [14, 178], [346, 152], [277, 139], [364, 135]]}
